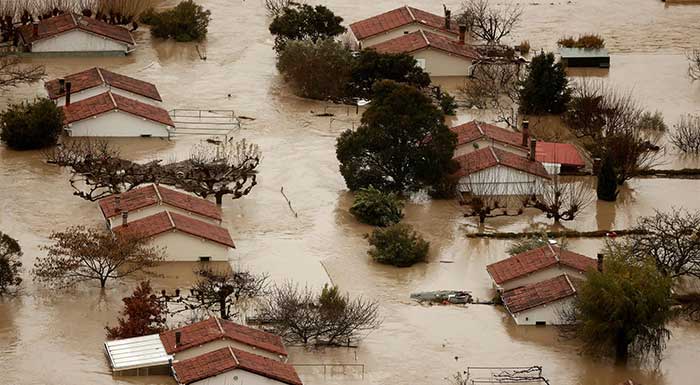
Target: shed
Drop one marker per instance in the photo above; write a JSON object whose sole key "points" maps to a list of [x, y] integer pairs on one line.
{"points": [[138, 356], [584, 57], [559, 157]]}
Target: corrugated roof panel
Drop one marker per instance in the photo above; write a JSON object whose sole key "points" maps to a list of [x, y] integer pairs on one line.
{"points": [[137, 352]]}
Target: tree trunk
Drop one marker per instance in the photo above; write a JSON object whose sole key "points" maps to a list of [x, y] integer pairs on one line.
{"points": [[103, 282], [621, 348], [219, 199]]}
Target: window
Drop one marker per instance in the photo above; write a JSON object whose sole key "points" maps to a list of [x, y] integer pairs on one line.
{"points": [[204, 259], [421, 63], [540, 323]]}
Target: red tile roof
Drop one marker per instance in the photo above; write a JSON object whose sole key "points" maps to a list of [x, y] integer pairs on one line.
{"points": [[69, 21], [156, 224], [538, 259], [537, 294], [152, 195], [95, 77], [214, 329], [419, 40], [107, 101], [474, 130], [398, 18], [563, 153], [490, 156], [226, 359]]}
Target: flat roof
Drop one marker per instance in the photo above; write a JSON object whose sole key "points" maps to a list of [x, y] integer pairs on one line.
{"points": [[137, 352], [582, 52]]}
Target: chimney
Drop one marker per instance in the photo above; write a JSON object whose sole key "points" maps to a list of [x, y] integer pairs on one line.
{"points": [[68, 85], [178, 338], [533, 148], [35, 29], [448, 16], [125, 218], [526, 132], [117, 202], [462, 34], [61, 86], [600, 262]]}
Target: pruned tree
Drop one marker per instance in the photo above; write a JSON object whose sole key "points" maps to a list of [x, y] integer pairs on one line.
{"points": [[10, 265], [275, 7], [560, 200], [487, 197], [143, 314], [327, 318], [495, 86], [694, 65], [686, 136], [13, 73], [80, 254], [488, 22], [223, 291]]}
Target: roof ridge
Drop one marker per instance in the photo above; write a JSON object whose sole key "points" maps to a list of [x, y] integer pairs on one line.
{"points": [[156, 187], [478, 127], [410, 12], [111, 97], [498, 161], [99, 72], [554, 253], [571, 285], [425, 38], [170, 218], [221, 329], [75, 22], [234, 356]]}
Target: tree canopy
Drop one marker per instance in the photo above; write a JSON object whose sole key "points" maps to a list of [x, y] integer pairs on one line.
{"points": [[188, 21], [13, 73], [377, 208], [10, 265], [397, 245], [304, 22], [30, 126], [372, 66], [143, 314], [545, 90], [402, 143]]}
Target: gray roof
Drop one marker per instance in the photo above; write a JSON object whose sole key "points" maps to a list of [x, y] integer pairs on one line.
{"points": [[582, 52]]}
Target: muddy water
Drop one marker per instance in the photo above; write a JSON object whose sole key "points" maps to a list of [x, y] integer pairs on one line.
{"points": [[55, 337]]}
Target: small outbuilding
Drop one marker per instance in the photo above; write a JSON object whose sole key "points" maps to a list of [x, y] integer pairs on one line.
{"points": [[540, 303], [112, 115], [95, 81], [559, 158], [72, 33], [585, 57], [138, 356]]}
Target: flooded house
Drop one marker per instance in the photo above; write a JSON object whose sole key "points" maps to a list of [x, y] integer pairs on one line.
{"points": [[152, 199], [585, 57], [95, 81], [184, 238], [72, 33], [540, 303], [475, 135], [559, 158], [112, 115]]}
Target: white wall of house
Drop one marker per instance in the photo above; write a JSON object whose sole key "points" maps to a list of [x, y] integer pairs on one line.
{"points": [[238, 377], [549, 313], [502, 181], [79, 41], [183, 247], [541, 275], [404, 30], [94, 91], [478, 144], [223, 343], [117, 124], [155, 209], [441, 63]]}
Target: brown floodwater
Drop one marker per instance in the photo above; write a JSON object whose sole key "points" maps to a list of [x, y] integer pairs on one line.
{"points": [[56, 337]]}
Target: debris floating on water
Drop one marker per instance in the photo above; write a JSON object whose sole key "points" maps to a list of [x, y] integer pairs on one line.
{"points": [[444, 297]]}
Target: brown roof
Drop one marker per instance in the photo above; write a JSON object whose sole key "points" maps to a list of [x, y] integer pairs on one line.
{"points": [[156, 224], [537, 294], [152, 195], [213, 329], [107, 101], [95, 77], [227, 359], [565, 154], [398, 18], [69, 21], [490, 156], [471, 131], [419, 40], [535, 260]]}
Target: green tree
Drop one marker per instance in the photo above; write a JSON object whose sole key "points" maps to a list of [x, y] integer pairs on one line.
{"points": [[545, 90], [397, 245], [30, 126], [188, 21], [377, 208], [317, 70], [10, 265], [402, 143], [304, 22], [623, 310], [372, 66], [607, 181], [143, 314]]}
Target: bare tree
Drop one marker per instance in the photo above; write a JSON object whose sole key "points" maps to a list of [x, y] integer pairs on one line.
{"points": [[80, 254], [686, 136], [490, 23], [494, 86], [13, 73], [560, 200], [487, 197], [222, 291], [694, 66], [275, 7]]}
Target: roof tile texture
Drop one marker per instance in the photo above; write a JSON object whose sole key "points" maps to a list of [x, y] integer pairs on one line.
{"points": [[93, 77], [397, 18], [156, 224], [471, 131], [537, 294], [490, 156], [565, 154], [108, 101], [63, 23], [424, 39], [148, 196], [535, 260]]}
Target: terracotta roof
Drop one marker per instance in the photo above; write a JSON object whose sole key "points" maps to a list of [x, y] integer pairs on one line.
{"points": [[419, 40], [535, 260], [95, 77], [227, 359], [397, 18], [563, 153], [213, 329], [69, 21], [490, 156], [471, 131], [156, 224], [152, 195], [537, 294], [107, 101]]}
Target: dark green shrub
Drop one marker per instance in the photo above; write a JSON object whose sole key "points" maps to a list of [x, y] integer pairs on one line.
{"points": [[448, 104], [590, 41], [546, 88], [377, 208], [524, 47], [148, 17], [304, 22], [30, 126], [372, 66], [652, 121], [188, 21], [10, 264], [397, 245]]}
